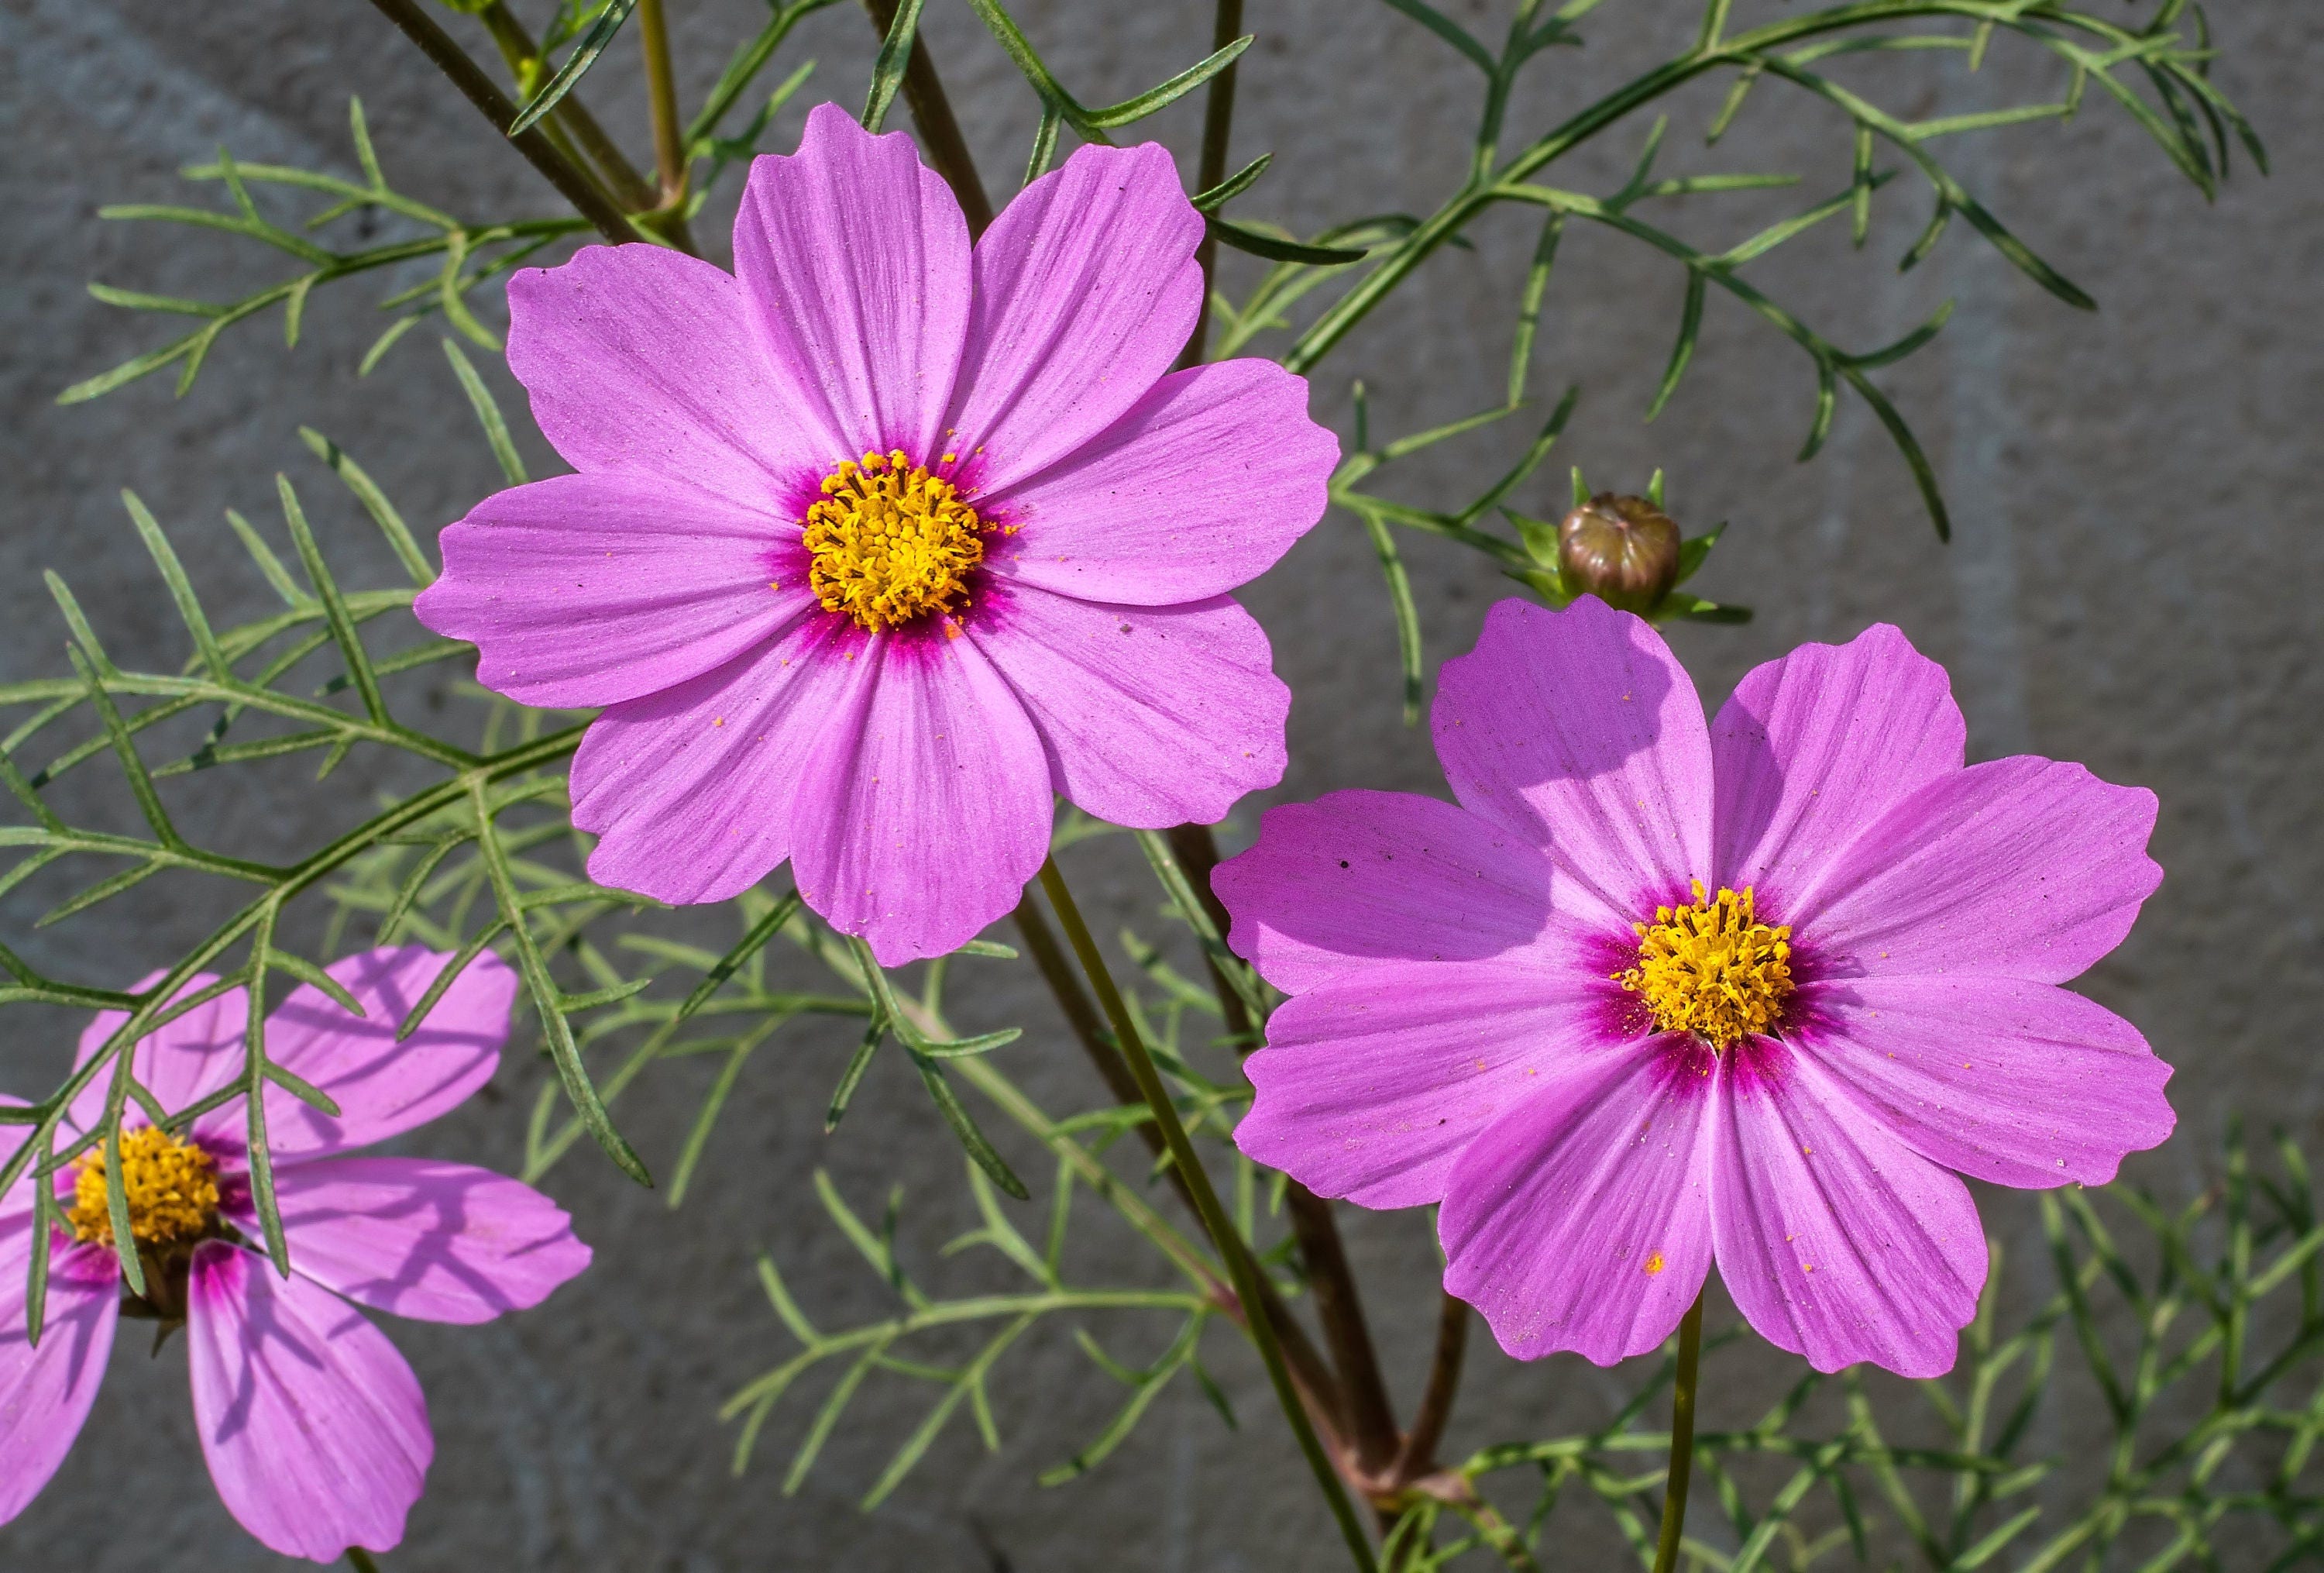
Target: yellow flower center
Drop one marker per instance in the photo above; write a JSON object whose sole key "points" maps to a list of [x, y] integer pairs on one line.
{"points": [[1711, 968], [171, 1187], [892, 543]]}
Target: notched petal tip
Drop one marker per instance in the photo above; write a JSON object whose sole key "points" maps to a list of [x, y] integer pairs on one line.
{"points": [[831, 135], [1150, 717], [1199, 487], [2019, 867], [427, 1239]]}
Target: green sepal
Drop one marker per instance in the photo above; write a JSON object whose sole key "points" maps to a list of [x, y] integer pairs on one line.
{"points": [[1692, 551], [1544, 582], [1695, 609], [1540, 538]]}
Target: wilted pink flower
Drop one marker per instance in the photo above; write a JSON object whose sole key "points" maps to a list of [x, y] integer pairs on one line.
{"points": [[879, 542], [313, 1427], [1654, 992]]}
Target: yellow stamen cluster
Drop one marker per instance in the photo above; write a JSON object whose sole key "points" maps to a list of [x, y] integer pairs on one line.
{"points": [[171, 1187], [1711, 968], [892, 543]]}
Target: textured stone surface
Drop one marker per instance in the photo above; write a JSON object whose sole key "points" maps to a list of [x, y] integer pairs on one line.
{"points": [[2132, 584]]}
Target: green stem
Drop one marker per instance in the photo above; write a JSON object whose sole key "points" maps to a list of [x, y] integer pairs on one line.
{"points": [[745, 67], [669, 132], [1484, 188], [588, 197], [1361, 1408], [661, 101], [1197, 852], [1232, 1250], [1418, 1453], [1319, 1389], [1332, 1283], [360, 1561], [1218, 126], [1682, 1448], [940, 135], [523, 53]]}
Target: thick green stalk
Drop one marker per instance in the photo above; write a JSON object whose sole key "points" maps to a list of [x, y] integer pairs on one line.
{"points": [[1331, 1282], [1363, 1410], [1218, 127], [1319, 1389], [1232, 1250], [947, 148], [1418, 1454], [669, 127], [588, 197], [661, 101], [523, 53], [1681, 1447]]}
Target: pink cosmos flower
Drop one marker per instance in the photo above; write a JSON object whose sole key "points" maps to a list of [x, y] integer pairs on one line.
{"points": [[313, 1427], [1654, 992], [879, 540]]}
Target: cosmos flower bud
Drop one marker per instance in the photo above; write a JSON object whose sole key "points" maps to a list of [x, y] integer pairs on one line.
{"points": [[1622, 550]]}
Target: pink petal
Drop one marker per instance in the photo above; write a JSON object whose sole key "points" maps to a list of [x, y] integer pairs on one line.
{"points": [[2019, 1083], [692, 792], [1151, 716], [382, 1086], [45, 1391], [1580, 1219], [1372, 1084], [921, 815], [1086, 288], [184, 1061], [1580, 732], [590, 589], [855, 264], [641, 360], [2024, 867], [1200, 486], [1838, 1242], [1356, 877], [1813, 747], [314, 1428], [423, 1238]]}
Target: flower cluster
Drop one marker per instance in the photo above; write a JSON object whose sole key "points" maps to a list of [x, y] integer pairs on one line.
{"points": [[877, 542], [874, 547]]}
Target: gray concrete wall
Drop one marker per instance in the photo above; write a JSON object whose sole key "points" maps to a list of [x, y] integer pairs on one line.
{"points": [[2133, 584]]}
